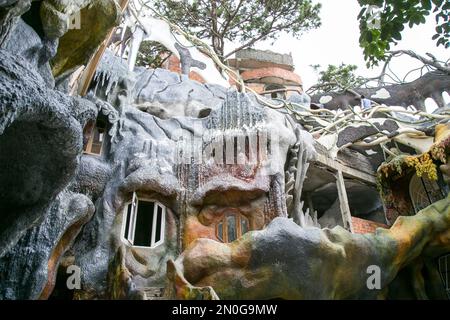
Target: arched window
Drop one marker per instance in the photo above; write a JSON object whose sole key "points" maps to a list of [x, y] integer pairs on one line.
{"points": [[423, 192], [231, 227], [144, 223]]}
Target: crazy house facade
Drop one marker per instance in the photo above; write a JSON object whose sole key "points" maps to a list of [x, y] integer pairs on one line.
{"points": [[149, 185]]}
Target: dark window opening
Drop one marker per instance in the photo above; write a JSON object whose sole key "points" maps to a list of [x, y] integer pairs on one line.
{"points": [[94, 137], [144, 223], [275, 91], [247, 147]]}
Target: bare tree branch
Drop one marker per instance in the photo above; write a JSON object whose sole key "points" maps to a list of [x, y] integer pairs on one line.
{"points": [[434, 63]]}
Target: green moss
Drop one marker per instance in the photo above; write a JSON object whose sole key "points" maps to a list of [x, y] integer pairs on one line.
{"points": [[77, 46]]}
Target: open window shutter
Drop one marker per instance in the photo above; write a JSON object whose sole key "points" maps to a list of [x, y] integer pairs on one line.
{"points": [[155, 214], [160, 224], [158, 227], [132, 225], [163, 224]]}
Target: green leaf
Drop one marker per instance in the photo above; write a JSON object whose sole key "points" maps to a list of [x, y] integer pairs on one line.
{"points": [[361, 13], [396, 35], [426, 4], [437, 3]]}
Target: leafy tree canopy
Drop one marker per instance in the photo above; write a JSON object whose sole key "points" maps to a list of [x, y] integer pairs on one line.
{"points": [[336, 78], [244, 21], [152, 55], [382, 21]]}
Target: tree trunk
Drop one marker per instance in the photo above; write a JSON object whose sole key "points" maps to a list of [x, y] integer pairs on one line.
{"points": [[217, 39], [430, 85]]}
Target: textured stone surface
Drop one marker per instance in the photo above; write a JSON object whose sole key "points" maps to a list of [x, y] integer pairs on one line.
{"points": [[24, 41], [76, 46], [323, 263], [10, 12], [40, 139], [40, 143], [142, 158], [159, 92], [28, 271]]}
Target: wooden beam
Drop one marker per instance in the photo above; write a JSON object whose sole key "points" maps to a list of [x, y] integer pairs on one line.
{"points": [[350, 163], [347, 171], [343, 202]]}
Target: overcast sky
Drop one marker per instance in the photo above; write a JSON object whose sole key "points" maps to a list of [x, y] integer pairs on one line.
{"points": [[336, 41]]}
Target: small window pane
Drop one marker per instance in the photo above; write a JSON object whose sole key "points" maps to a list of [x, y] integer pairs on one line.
{"points": [[231, 227], [144, 224], [96, 148], [244, 225], [220, 231], [96, 137], [87, 133], [158, 224]]}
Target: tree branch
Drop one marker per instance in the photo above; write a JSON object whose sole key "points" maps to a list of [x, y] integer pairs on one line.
{"points": [[231, 17], [434, 63]]}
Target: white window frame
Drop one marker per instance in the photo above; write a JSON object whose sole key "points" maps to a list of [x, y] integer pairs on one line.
{"points": [[132, 225]]}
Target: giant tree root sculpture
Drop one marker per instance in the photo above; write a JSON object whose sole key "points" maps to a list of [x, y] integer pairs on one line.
{"points": [[289, 262]]}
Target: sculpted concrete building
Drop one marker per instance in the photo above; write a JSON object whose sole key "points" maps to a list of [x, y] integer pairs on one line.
{"points": [[154, 186], [268, 73]]}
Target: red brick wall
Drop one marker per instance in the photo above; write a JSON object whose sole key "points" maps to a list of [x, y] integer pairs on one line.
{"points": [[260, 73], [366, 226]]}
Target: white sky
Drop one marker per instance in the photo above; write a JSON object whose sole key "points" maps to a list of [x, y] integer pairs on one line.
{"points": [[336, 41]]}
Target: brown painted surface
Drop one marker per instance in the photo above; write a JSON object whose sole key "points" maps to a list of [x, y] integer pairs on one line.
{"points": [[271, 72]]}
